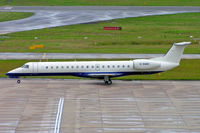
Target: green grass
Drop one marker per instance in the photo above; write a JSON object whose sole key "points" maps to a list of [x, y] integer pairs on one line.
{"points": [[101, 2], [157, 32], [188, 70], [8, 16]]}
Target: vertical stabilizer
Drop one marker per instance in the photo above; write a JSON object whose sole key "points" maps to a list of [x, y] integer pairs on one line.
{"points": [[175, 53]]}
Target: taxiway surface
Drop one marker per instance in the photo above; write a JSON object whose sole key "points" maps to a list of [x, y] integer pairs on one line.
{"points": [[39, 56], [52, 16], [88, 106]]}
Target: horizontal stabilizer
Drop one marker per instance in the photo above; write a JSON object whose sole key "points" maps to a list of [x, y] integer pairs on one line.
{"points": [[182, 43]]}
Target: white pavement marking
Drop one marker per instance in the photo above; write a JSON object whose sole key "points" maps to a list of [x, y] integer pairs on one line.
{"points": [[59, 116], [8, 8], [44, 56]]}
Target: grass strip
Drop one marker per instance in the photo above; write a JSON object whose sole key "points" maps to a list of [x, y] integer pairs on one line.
{"points": [[150, 34], [8, 16]]}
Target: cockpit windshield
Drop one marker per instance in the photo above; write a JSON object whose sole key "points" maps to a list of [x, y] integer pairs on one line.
{"points": [[25, 66]]}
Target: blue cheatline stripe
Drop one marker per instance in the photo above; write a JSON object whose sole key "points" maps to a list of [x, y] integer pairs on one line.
{"points": [[81, 74]]}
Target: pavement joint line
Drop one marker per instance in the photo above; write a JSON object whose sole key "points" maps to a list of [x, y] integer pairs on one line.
{"points": [[178, 112], [101, 111], [137, 106], [77, 118], [59, 116]]}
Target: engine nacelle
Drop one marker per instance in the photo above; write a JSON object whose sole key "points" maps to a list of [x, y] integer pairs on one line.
{"points": [[143, 64]]}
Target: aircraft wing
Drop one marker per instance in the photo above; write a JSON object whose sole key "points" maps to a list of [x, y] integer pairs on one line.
{"points": [[99, 75]]}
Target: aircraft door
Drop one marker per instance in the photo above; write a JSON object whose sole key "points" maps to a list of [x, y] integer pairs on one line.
{"points": [[97, 67], [35, 67]]}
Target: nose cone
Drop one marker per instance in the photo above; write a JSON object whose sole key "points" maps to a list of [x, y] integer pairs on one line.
{"points": [[12, 74], [8, 73]]}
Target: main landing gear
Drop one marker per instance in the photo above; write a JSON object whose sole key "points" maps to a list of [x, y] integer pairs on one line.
{"points": [[107, 80]]}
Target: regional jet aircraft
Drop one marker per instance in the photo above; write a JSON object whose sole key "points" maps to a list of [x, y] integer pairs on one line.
{"points": [[103, 69]]}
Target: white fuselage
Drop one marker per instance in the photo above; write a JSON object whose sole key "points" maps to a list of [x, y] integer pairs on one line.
{"points": [[96, 69]]}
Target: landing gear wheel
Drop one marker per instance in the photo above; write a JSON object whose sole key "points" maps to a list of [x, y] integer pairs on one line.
{"points": [[18, 81], [107, 80]]}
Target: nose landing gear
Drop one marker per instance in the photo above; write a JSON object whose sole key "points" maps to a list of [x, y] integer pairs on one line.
{"points": [[18, 81], [107, 80]]}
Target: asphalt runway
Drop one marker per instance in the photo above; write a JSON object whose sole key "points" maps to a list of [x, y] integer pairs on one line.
{"points": [[52, 16], [88, 106], [39, 56]]}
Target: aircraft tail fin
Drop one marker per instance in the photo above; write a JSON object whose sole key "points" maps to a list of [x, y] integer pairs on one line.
{"points": [[174, 54]]}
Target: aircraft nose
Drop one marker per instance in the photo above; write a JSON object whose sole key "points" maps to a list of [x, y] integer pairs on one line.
{"points": [[10, 74]]}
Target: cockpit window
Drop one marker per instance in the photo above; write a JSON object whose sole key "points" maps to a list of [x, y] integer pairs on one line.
{"points": [[25, 66]]}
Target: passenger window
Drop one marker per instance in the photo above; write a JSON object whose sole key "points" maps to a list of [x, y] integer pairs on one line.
{"points": [[128, 66], [103, 66], [92, 66], [82, 66], [108, 66], [118, 66], [46, 67], [56, 67], [123, 66], [77, 67], [51, 67], [72, 66], [113, 66], [62, 67], [67, 66], [87, 66]]}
